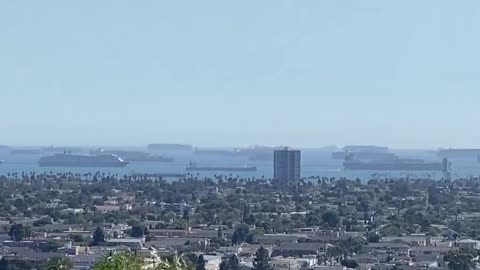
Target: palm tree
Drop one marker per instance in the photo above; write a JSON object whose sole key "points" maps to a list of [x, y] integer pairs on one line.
{"points": [[460, 260], [130, 261], [175, 263], [120, 261]]}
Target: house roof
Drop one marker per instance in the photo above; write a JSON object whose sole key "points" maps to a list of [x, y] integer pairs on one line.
{"points": [[301, 246]]}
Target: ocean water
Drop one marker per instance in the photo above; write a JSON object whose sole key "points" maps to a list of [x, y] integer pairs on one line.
{"points": [[314, 163]]}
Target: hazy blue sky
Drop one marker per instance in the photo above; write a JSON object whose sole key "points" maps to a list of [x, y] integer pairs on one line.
{"points": [[215, 73]]}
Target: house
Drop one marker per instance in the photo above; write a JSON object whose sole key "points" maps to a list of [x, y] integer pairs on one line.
{"points": [[72, 211], [468, 244], [107, 208], [56, 227], [177, 208], [397, 248], [430, 251], [133, 243], [178, 243], [275, 239], [472, 217], [299, 249], [330, 267], [86, 261], [212, 262], [413, 240], [29, 256], [249, 250], [279, 263], [382, 266], [230, 249], [169, 232]]}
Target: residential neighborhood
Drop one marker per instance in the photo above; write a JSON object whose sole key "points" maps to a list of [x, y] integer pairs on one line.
{"points": [[317, 223]]}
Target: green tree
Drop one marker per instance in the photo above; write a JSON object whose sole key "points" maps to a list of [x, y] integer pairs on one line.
{"points": [[137, 231], [240, 234], [58, 263], [262, 259], [77, 238], [230, 263], [175, 263], [18, 232], [98, 236], [331, 218], [349, 263], [120, 261], [191, 259], [49, 246], [224, 265], [460, 260], [233, 263], [250, 220], [4, 264], [373, 238], [200, 265]]}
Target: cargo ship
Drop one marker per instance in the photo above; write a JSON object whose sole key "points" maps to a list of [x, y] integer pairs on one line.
{"points": [[261, 156], [252, 153], [69, 160], [259, 153], [396, 165], [169, 147], [193, 167], [133, 156], [58, 150], [365, 148], [218, 152], [458, 153], [341, 155]]}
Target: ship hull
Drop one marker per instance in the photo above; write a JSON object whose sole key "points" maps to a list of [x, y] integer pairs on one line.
{"points": [[152, 160], [85, 165], [394, 166], [221, 169]]}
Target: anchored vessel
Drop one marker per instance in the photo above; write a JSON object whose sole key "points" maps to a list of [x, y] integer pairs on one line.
{"points": [[194, 167], [396, 165], [133, 156], [362, 155], [68, 160], [458, 153], [169, 147]]}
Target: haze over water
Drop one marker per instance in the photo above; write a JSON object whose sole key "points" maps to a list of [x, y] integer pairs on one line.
{"points": [[314, 163]]}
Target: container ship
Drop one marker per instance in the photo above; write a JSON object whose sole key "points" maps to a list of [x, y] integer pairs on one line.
{"points": [[267, 156], [218, 152], [366, 148], [133, 156], [458, 153], [396, 165], [259, 153], [169, 147], [193, 167], [341, 155], [69, 160]]}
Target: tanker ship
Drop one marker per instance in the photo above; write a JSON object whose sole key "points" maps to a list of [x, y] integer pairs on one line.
{"points": [[69, 160], [396, 165]]}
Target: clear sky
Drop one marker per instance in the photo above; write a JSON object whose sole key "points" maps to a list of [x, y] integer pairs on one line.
{"points": [[219, 73]]}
